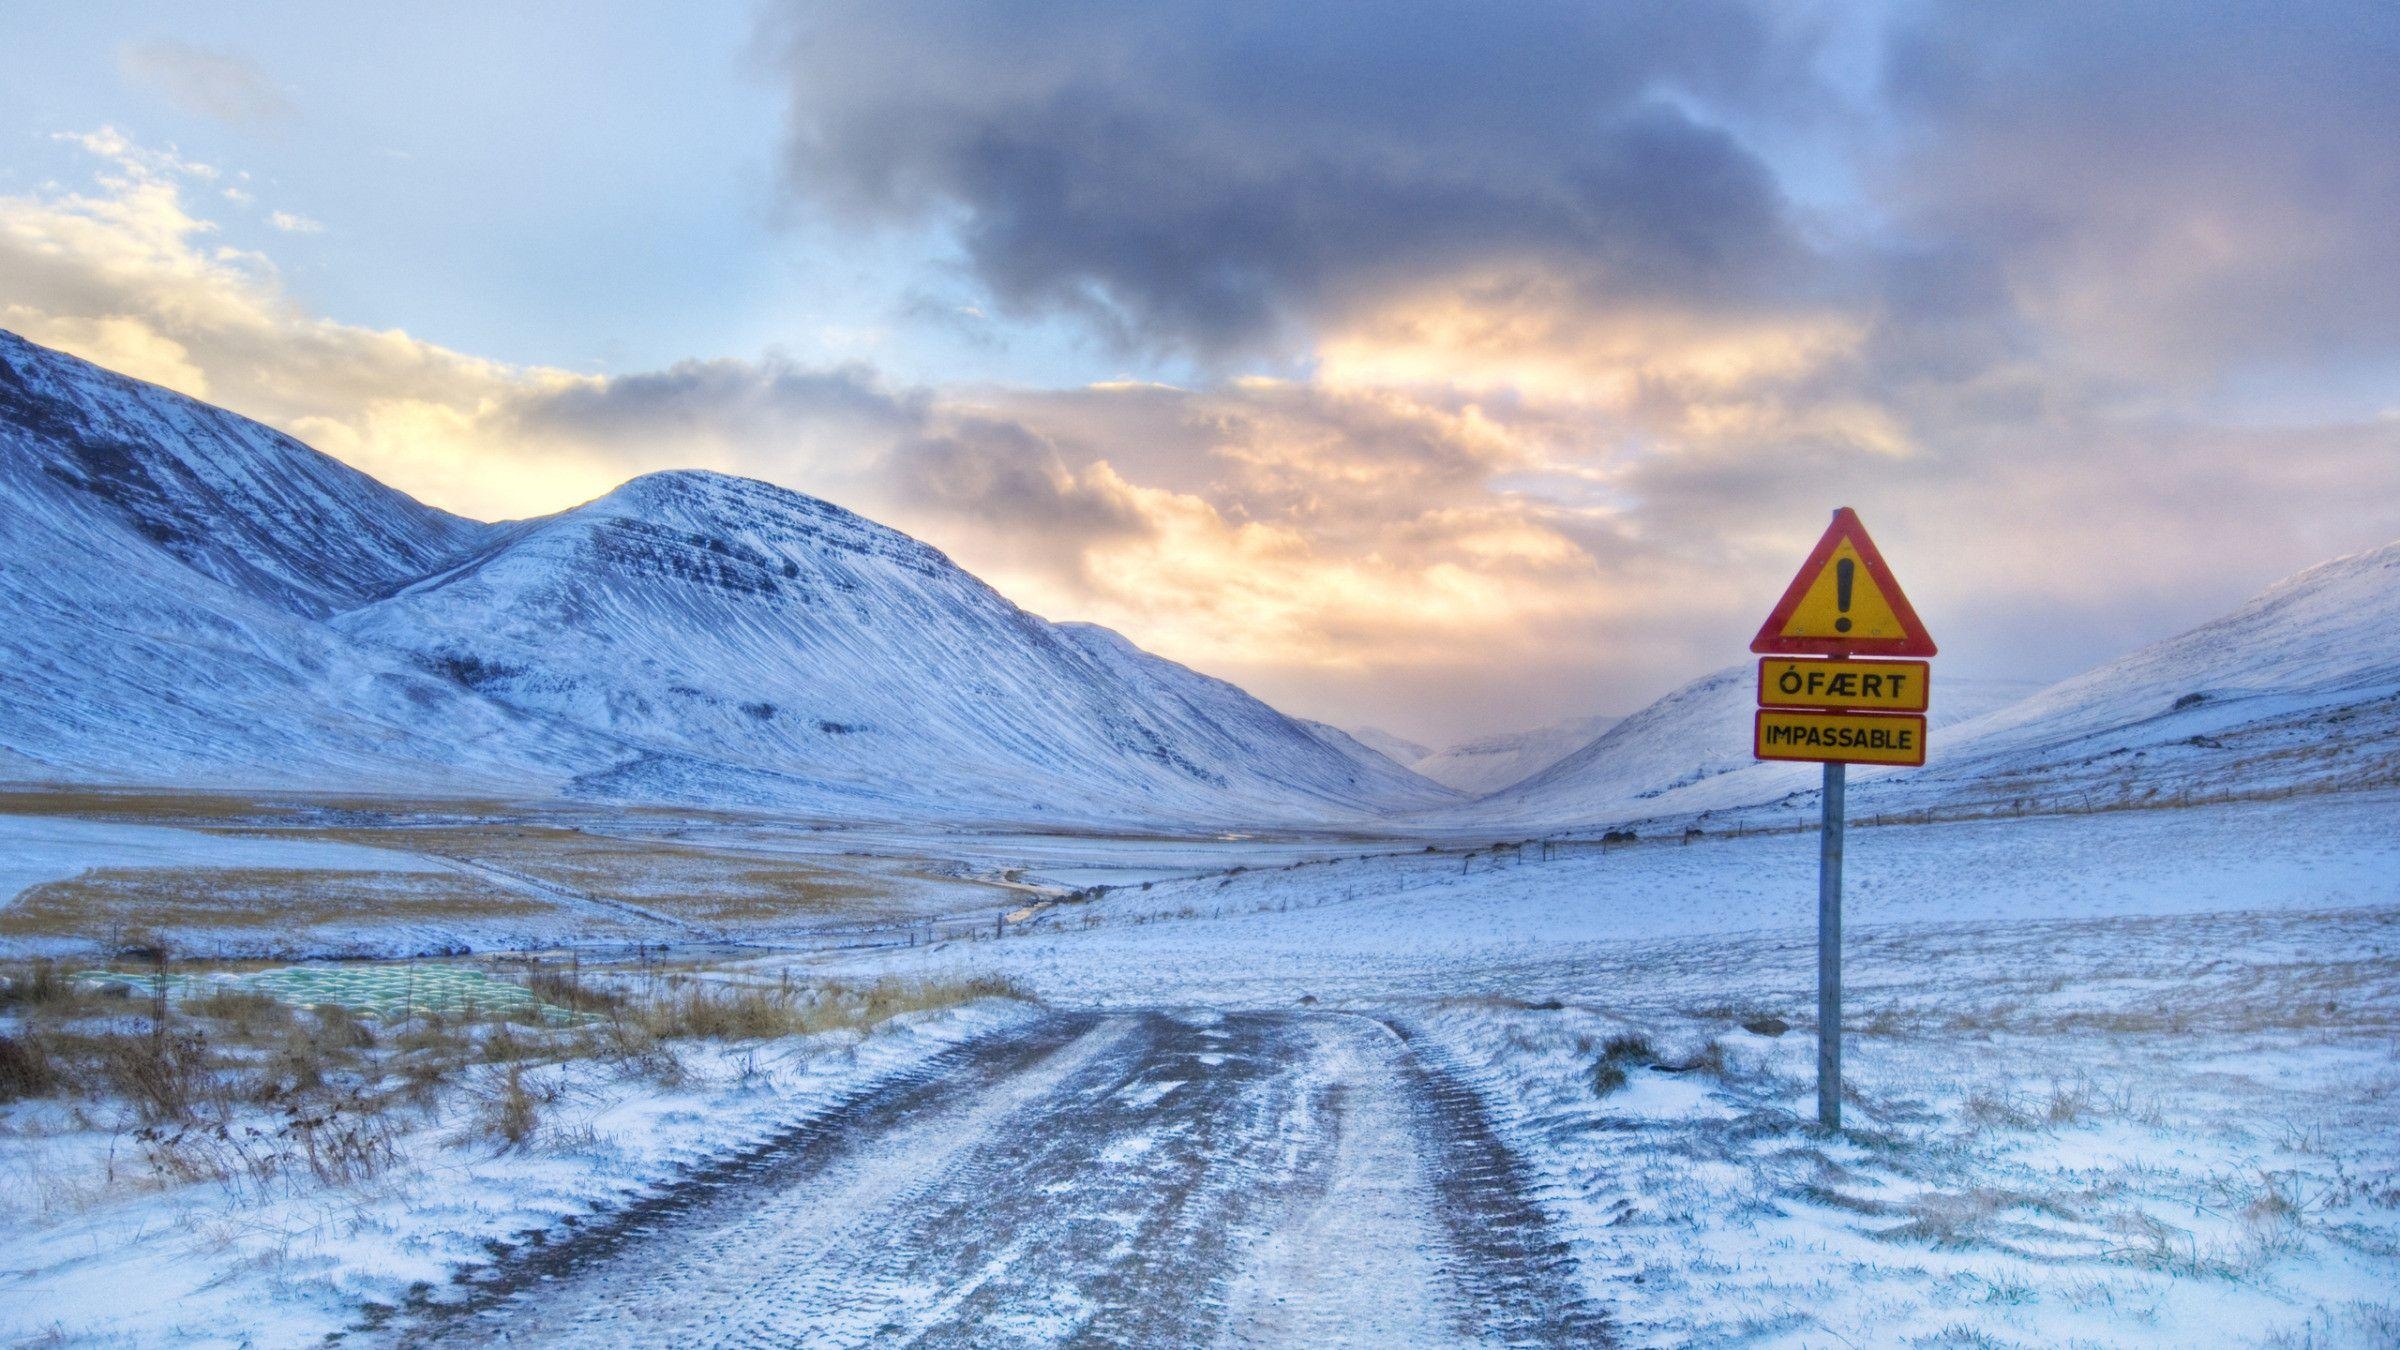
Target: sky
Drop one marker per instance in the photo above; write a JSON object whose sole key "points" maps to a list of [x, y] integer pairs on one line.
{"points": [[1449, 369]]}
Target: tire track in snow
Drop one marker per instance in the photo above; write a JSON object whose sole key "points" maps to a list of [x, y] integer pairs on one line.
{"points": [[1134, 1179], [1521, 1275]]}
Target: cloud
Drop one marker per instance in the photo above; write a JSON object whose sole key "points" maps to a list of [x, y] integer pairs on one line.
{"points": [[1554, 196], [125, 273], [203, 83], [2168, 192], [292, 224], [2090, 310], [1218, 179], [1567, 362]]}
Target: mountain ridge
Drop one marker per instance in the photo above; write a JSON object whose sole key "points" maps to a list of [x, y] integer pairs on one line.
{"points": [[685, 628]]}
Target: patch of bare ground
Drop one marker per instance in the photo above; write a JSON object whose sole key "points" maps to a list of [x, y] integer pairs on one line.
{"points": [[181, 807], [709, 887], [704, 886], [191, 902]]}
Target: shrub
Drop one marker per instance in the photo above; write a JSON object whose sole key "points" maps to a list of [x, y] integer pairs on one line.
{"points": [[26, 1068], [566, 989], [34, 984], [162, 1075], [1617, 1054], [244, 1012], [513, 1113], [1628, 1048]]}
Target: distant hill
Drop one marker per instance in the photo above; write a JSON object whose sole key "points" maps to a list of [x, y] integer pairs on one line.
{"points": [[2297, 689], [1691, 751], [1398, 749], [1490, 763]]}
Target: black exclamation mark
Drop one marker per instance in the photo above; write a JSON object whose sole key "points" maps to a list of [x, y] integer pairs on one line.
{"points": [[1842, 572]]}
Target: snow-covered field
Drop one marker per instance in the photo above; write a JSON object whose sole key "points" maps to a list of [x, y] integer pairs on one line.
{"points": [[2119, 1078], [2124, 1077], [35, 849], [99, 1245]]}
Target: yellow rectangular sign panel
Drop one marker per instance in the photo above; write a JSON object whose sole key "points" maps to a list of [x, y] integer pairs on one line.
{"points": [[1840, 737], [1878, 686]]}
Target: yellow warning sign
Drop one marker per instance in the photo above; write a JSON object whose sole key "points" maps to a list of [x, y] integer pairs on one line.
{"points": [[1843, 602], [1808, 682], [1840, 737]]}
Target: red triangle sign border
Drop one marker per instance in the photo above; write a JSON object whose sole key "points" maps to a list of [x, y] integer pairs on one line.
{"points": [[1914, 640]]}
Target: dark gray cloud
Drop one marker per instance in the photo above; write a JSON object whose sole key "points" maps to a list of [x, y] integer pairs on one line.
{"points": [[1005, 476], [2147, 188], [1206, 177], [2181, 183], [753, 401]]}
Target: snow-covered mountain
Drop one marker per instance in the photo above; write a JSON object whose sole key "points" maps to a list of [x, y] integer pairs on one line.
{"points": [[2298, 689], [187, 596], [1396, 748], [162, 574], [1691, 751], [1490, 763]]}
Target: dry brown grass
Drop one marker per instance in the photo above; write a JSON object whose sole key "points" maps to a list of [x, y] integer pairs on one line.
{"points": [[231, 1087], [709, 1010], [259, 899], [706, 886], [168, 806], [508, 1111], [267, 1101], [1619, 1055], [26, 1069]]}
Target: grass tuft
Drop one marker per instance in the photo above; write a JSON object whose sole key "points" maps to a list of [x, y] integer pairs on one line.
{"points": [[26, 1068], [1619, 1054]]}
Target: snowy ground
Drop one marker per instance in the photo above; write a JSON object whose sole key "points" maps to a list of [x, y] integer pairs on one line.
{"points": [[244, 878], [101, 1247], [2120, 1078], [35, 849], [2129, 1077]]}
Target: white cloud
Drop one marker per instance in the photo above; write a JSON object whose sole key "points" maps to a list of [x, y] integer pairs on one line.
{"points": [[292, 224], [204, 83]]}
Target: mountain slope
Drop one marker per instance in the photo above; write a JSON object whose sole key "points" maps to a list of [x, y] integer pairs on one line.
{"points": [[2297, 688], [187, 597], [1323, 760], [1691, 751], [232, 500], [719, 619], [158, 577], [1397, 749], [1490, 763]]}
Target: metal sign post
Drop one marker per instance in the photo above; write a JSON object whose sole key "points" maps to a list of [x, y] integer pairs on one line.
{"points": [[1829, 950], [1833, 707]]}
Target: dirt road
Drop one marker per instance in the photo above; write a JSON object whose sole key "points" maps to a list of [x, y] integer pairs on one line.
{"points": [[1136, 1179]]}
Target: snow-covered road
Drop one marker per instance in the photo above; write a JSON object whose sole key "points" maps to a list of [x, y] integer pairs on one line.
{"points": [[1135, 1178]]}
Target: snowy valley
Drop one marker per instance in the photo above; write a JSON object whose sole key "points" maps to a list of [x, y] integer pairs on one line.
{"points": [[850, 955]]}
